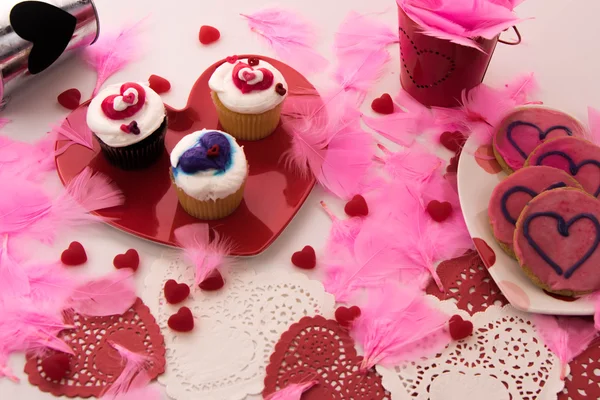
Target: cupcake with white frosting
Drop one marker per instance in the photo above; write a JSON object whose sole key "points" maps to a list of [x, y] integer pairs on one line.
{"points": [[248, 94], [209, 171], [129, 121]]}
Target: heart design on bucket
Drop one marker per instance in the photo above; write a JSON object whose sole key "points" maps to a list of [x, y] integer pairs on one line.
{"points": [[562, 227], [573, 167], [46, 26], [429, 68], [521, 189], [541, 134]]}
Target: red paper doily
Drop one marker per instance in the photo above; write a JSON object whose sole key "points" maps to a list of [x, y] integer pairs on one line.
{"points": [[318, 349], [96, 364], [467, 281]]}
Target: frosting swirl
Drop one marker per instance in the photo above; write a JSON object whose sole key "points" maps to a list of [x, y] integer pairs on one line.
{"points": [[248, 86], [208, 165], [124, 114]]}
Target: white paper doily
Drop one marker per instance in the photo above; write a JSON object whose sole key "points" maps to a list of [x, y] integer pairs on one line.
{"points": [[504, 359], [236, 328]]}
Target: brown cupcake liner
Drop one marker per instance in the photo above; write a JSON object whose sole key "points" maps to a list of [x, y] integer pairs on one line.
{"points": [[247, 126], [209, 209], [138, 155]]}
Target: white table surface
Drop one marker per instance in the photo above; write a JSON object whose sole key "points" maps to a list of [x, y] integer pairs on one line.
{"points": [[559, 46]]}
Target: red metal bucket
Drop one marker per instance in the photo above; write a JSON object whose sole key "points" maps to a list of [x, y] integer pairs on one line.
{"points": [[435, 71]]}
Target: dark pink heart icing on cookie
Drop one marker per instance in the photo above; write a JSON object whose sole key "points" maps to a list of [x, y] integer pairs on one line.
{"points": [[249, 74], [108, 104]]}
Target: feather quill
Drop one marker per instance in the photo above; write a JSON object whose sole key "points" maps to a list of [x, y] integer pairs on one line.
{"points": [[66, 132], [291, 37], [113, 294], [113, 51], [359, 34], [343, 232], [292, 391], [358, 72], [398, 325], [133, 376], [204, 254], [566, 337]]}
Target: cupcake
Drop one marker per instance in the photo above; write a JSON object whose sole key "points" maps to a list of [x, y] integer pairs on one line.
{"points": [[248, 95], [129, 121], [557, 241], [209, 171], [525, 128]]}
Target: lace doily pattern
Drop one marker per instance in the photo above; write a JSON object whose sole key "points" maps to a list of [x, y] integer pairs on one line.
{"points": [[236, 328], [318, 349], [96, 364], [503, 359], [467, 283], [584, 381]]}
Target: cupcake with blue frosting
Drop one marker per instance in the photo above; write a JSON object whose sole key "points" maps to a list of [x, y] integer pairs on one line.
{"points": [[209, 171]]}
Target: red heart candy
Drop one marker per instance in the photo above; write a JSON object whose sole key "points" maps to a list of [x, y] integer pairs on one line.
{"points": [[213, 282], [439, 212], [383, 104], [305, 259], [344, 316], [208, 34], [56, 366], [357, 207], [74, 255], [159, 84], [131, 259], [182, 321], [453, 141], [453, 166], [69, 99], [176, 292], [459, 328]]}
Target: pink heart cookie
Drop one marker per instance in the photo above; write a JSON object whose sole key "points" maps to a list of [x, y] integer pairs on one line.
{"points": [[577, 157], [557, 241], [526, 128], [511, 196]]}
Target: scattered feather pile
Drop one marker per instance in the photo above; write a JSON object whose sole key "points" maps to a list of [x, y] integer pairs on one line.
{"points": [[359, 34], [566, 337], [462, 21], [398, 325], [204, 254], [113, 51], [25, 160], [342, 234], [113, 294], [291, 37], [414, 164], [292, 391]]}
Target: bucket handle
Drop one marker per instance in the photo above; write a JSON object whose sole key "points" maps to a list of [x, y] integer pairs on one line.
{"points": [[513, 43]]}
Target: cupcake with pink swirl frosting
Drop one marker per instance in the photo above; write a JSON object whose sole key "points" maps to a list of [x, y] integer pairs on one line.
{"points": [[248, 94], [129, 121]]}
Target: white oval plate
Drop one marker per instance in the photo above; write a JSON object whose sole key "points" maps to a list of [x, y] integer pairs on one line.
{"points": [[475, 186]]}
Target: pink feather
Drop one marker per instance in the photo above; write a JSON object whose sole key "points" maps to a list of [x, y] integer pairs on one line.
{"points": [[49, 282], [290, 36], [347, 158], [113, 294], [25, 160], [204, 254], [112, 52], [566, 337], [134, 376], [292, 391], [66, 132], [358, 72], [13, 278], [594, 125], [4, 122], [398, 325], [343, 232], [359, 34], [415, 164]]}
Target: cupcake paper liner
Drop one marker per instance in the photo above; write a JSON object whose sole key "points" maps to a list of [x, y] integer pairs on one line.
{"points": [[138, 155], [247, 126], [209, 209]]}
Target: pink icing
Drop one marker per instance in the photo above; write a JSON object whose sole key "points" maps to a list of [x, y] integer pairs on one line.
{"points": [[108, 104], [579, 151], [537, 179], [527, 137], [565, 251], [245, 84]]}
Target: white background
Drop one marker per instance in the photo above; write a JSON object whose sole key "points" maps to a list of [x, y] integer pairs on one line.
{"points": [[560, 46]]}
